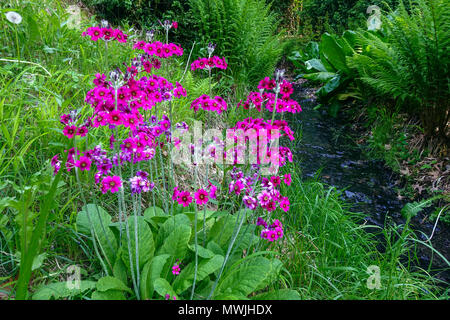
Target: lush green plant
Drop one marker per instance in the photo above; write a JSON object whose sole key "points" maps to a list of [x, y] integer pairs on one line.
{"points": [[244, 32], [164, 241], [326, 62], [410, 62]]}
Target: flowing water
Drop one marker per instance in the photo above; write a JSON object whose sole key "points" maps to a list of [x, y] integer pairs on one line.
{"points": [[327, 149]]}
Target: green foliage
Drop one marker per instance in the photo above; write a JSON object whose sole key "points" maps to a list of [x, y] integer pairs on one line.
{"points": [[171, 239], [244, 32], [330, 249], [409, 62], [326, 62]]}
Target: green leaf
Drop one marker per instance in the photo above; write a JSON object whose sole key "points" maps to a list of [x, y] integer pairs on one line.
{"points": [[169, 225], [154, 211], [315, 64], [244, 279], [333, 52], [100, 220], [177, 241], [163, 288], [282, 294], [108, 295], [111, 283], [320, 76], [206, 267], [202, 252], [145, 244], [150, 273], [58, 290], [120, 270]]}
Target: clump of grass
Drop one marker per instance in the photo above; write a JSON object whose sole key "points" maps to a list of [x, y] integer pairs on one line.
{"points": [[331, 254]]}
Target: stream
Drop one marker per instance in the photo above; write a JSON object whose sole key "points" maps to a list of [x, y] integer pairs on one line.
{"points": [[327, 150]]}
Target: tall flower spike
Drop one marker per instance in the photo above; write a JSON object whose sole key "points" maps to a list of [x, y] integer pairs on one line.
{"points": [[149, 35], [211, 47]]}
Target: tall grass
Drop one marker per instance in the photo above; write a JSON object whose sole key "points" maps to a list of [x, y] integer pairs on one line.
{"points": [[328, 250]]}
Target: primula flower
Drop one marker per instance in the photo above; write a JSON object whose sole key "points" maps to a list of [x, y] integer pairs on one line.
{"points": [[82, 131], [184, 198], [111, 183], [84, 163], [201, 197], [176, 269], [284, 204], [70, 131], [287, 179]]}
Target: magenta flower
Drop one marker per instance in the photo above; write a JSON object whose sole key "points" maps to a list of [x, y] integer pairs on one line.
{"points": [[111, 183], [176, 269], [70, 131], [287, 179], [84, 163], [284, 204], [184, 198], [201, 197]]}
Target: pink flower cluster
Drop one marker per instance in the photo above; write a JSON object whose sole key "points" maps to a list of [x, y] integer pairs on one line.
{"points": [[268, 197], [251, 129], [267, 99], [205, 102], [272, 232], [106, 34], [201, 196], [209, 63], [140, 183], [159, 49], [134, 94]]}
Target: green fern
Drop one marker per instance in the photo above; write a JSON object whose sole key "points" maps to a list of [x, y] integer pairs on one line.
{"points": [[244, 32], [410, 61]]}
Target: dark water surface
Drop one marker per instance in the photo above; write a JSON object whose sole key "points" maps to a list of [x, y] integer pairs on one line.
{"points": [[327, 148]]}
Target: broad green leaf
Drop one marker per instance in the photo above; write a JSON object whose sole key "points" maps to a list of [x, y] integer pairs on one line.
{"points": [[177, 241], [202, 252], [120, 270], [145, 244], [222, 230], [320, 76], [169, 225], [244, 279], [152, 271], [111, 283], [163, 287], [333, 52], [153, 211], [315, 64], [59, 290], [108, 295], [215, 248], [206, 267], [99, 219]]}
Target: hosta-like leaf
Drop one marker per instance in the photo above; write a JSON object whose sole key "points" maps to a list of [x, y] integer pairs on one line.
{"points": [[146, 246], [206, 267], [108, 295], [163, 287], [59, 290], [152, 271], [100, 220], [177, 241], [169, 225], [245, 278], [111, 283]]}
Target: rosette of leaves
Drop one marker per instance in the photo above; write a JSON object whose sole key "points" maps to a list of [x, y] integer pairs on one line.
{"points": [[164, 240]]}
